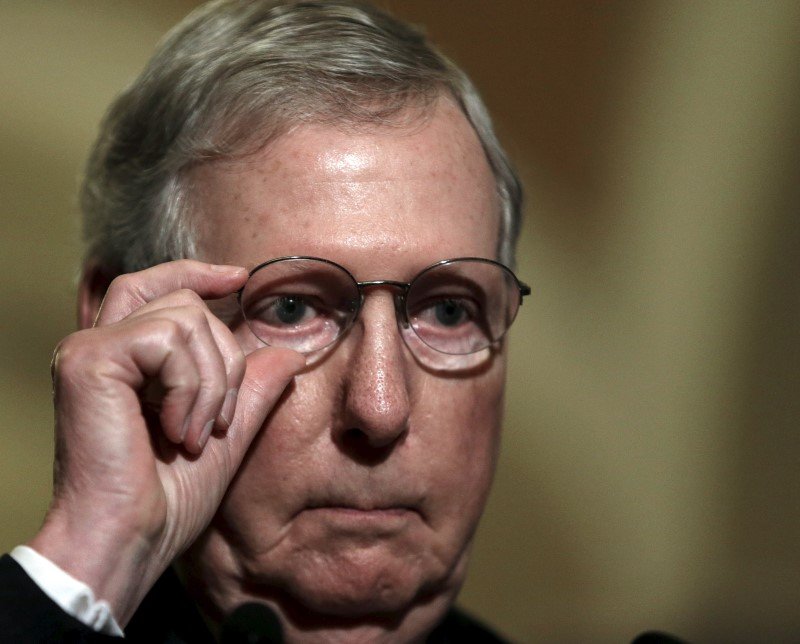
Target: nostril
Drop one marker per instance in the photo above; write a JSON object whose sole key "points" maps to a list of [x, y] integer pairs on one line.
{"points": [[360, 447]]}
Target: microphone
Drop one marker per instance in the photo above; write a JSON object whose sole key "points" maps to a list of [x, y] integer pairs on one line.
{"points": [[252, 623]]}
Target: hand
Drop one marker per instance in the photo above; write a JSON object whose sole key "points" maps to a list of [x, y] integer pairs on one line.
{"points": [[133, 488]]}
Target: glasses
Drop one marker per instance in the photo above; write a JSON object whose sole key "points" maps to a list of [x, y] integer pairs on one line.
{"points": [[456, 306]]}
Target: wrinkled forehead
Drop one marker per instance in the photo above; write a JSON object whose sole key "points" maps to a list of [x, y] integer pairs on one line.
{"points": [[423, 188]]}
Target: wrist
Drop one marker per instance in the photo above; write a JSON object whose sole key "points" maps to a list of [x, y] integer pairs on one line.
{"points": [[73, 596], [117, 564]]}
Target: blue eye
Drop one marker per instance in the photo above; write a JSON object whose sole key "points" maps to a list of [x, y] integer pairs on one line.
{"points": [[450, 313], [280, 311], [289, 309]]}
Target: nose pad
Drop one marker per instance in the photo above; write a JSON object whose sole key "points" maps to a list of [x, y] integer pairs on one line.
{"points": [[400, 311], [376, 396]]}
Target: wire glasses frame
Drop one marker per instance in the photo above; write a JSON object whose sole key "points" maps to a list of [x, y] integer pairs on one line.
{"points": [[456, 306]]}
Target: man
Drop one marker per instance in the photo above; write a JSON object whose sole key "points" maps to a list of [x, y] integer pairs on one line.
{"points": [[279, 385]]}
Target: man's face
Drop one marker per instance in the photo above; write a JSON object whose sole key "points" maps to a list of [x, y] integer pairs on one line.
{"points": [[362, 490]]}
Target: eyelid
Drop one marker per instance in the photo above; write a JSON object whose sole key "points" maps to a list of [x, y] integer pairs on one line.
{"points": [[431, 299], [426, 307], [269, 301]]}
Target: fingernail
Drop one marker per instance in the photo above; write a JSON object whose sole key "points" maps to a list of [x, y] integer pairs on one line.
{"points": [[206, 433], [185, 427], [229, 406], [224, 268]]}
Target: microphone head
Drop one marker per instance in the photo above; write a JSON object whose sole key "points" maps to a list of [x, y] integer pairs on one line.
{"points": [[252, 623]]}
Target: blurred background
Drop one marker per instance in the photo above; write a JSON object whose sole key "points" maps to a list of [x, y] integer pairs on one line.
{"points": [[650, 474]]}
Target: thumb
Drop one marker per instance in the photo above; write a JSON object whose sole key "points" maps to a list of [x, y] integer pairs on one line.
{"points": [[268, 373]]}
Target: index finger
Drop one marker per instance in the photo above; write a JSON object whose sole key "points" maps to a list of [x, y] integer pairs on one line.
{"points": [[131, 291]]}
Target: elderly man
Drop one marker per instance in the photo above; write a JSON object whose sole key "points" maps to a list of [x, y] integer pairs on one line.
{"points": [[289, 381]]}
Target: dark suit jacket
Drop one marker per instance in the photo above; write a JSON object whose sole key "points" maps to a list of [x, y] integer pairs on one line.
{"points": [[167, 615]]}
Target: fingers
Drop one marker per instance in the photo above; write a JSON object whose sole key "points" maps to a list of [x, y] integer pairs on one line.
{"points": [[129, 292], [219, 357], [173, 292], [159, 349], [200, 366], [209, 380], [269, 371], [195, 389]]}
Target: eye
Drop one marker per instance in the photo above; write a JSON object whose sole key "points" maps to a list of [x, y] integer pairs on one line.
{"points": [[284, 310], [445, 312], [290, 310], [450, 312]]}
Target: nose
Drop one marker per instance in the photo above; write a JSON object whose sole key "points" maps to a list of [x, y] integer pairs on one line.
{"points": [[376, 397]]}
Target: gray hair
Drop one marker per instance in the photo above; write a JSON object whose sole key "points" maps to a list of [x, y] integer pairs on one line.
{"points": [[233, 76]]}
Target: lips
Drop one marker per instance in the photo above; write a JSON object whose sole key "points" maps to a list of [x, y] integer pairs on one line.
{"points": [[357, 514], [362, 507], [364, 525], [365, 506]]}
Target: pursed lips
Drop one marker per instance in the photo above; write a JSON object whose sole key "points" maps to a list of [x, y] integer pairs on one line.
{"points": [[357, 520], [366, 507]]}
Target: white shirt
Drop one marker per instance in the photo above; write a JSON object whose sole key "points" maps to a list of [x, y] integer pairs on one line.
{"points": [[73, 596]]}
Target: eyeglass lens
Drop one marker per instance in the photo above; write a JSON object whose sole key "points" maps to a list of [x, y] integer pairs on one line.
{"points": [[456, 307]]}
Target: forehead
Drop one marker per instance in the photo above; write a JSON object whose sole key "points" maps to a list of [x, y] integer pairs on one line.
{"points": [[370, 198]]}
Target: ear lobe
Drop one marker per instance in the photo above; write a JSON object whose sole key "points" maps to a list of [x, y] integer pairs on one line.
{"points": [[95, 280]]}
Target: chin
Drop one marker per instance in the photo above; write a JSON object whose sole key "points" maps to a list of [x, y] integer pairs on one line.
{"points": [[370, 580], [357, 584]]}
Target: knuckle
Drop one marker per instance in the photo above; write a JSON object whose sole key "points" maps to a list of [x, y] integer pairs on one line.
{"points": [[76, 358], [190, 319], [122, 284], [127, 291], [71, 352], [167, 328], [189, 382], [214, 387], [197, 315], [154, 330], [188, 296]]}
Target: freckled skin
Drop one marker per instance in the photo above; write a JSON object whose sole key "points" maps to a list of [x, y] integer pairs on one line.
{"points": [[366, 425]]}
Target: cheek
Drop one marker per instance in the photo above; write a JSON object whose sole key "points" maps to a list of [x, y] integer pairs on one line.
{"points": [[289, 450], [463, 422]]}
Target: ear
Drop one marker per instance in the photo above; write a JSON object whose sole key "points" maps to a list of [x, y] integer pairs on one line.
{"points": [[95, 280]]}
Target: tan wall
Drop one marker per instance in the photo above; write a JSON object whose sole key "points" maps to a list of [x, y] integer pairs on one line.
{"points": [[651, 464]]}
